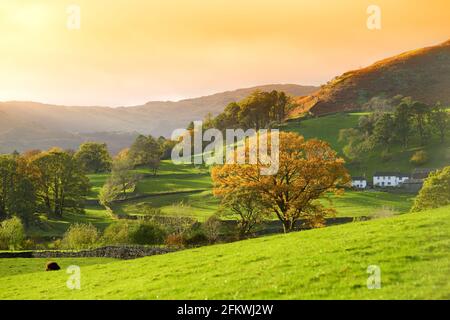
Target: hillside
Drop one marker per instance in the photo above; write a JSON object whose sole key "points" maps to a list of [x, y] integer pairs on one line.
{"points": [[327, 128], [30, 125], [423, 74], [328, 263]]}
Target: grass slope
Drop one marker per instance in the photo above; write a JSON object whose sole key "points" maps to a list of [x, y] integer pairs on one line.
{"points": [[411, 250], [327, 128]]}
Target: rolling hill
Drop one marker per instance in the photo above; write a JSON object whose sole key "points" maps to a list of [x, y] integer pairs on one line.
{"points": [[30, 125], [423, 74], [330, 263]]}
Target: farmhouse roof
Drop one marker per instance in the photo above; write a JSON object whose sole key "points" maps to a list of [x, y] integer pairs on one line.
{"points": [[359, 178]]}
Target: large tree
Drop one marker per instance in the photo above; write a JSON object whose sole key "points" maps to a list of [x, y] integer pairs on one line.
{"points": [[307, 171], [146, 151], [122, 178], [402, 123], [94, 157], [383, 132], [60, 182], [246, 206], [440, 121], [420, 113], [17, 194]]}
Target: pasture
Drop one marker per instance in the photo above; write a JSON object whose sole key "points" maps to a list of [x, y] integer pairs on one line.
{"points": [[411, 251]]}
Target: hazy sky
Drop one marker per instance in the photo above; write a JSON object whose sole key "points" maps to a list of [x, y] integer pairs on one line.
{"points": [[127, 52]]}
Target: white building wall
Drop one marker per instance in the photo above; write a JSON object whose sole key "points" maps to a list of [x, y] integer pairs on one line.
{"points": [[362, 184], [388, 181]]}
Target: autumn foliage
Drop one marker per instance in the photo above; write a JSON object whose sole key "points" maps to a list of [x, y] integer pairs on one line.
{"points": [[308, 170]]}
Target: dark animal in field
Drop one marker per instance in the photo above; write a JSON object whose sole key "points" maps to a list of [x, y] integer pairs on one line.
{"points": [[52, 266]]}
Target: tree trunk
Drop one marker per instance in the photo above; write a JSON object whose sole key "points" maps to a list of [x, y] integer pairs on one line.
{"points": [[288, 225]]}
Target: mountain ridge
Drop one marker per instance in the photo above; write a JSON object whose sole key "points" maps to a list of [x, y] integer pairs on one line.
{"points": [[31, 125], [423, 74]]}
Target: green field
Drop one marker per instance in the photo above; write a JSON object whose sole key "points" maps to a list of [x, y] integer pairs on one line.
{"points": [[12, 267], [54, 227], [197, 205], [201, 205], [329, 263]]}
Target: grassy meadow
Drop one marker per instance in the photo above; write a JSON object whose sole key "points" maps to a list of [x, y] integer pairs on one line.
{"points": [[329, 263]]}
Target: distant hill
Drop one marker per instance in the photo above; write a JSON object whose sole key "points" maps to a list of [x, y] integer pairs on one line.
{"points": [[30, 125], [423, 74]]}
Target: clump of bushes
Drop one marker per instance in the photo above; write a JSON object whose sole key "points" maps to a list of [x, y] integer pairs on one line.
{"points": [[183, 232], [195, 235], [211, 228], [12, 234], [419, 158], [175, 240], [148, 232], [80, 236], [118, 233]]}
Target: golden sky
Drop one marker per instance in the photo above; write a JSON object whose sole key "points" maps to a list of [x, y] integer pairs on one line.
{"points": [[127, 52]]}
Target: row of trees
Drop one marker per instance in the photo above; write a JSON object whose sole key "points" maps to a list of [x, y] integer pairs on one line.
{"points": [[409, 121], [55, 181], [145, 151], [259, 110]]}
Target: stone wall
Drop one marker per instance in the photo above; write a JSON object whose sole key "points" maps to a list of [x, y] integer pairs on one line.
{"points": [[117, 252]]}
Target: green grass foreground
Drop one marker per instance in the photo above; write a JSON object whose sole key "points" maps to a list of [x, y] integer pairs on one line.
{"points": [[412, 251]]}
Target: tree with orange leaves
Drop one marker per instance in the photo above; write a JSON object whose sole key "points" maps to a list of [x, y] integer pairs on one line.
{"points": [[308, 170]]}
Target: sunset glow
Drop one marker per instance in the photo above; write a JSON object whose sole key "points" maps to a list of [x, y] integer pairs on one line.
{"points": [[130, 52]]}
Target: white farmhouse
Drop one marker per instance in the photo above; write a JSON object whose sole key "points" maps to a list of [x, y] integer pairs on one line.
{"points": [[359, 182], [389, 179]]}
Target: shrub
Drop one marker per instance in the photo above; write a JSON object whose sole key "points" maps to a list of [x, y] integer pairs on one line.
{"points": [[12, 234], [80, 236], [57, 244], [177, 224], [419, 158], [148, 232], [211, 228], [195, 235], [117, 233], [175, 240], [28, 244]]}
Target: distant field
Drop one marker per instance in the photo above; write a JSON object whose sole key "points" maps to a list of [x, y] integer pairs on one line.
{"points": [[324, 128], [197, 205], [201, 205], [174, 182], [329, 263], [97, 215]]}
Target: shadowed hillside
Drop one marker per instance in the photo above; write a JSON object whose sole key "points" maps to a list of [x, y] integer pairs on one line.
{"points": [[30, 125], [423, 74]]}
